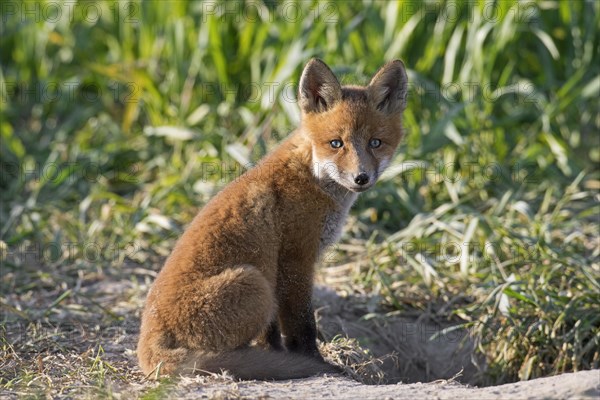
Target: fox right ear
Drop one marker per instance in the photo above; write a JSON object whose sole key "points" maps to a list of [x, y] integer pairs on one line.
{"points": [[319, 89], [388, 88]]}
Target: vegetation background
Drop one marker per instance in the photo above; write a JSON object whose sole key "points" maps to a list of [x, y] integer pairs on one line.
{"points": [[120, 119]]}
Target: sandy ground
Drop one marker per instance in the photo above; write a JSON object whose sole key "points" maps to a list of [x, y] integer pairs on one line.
{"points": [[580, 385]]}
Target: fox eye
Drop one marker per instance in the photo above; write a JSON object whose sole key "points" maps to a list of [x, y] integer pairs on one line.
{"points": [[336, 144], [374, 143]]}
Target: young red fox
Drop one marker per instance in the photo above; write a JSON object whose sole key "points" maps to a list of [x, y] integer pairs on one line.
{"points": [[243, 270]]}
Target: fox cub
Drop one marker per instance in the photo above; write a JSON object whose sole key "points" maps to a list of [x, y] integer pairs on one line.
{"points": [[240, 278]]}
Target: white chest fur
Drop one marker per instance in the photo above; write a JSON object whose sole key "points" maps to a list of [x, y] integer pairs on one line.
{"points": [[335, 219]]}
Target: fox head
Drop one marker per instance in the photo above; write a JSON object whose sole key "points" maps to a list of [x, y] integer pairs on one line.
{"points": [[354, 130]]}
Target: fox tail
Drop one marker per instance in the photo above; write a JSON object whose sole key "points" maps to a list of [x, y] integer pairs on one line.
{"points": [[247, 363]]}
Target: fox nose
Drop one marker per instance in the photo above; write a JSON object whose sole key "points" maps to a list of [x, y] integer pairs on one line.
{"points": [[361, 179]]}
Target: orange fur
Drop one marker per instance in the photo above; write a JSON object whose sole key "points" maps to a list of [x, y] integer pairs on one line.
{"points": [[243, 270]]}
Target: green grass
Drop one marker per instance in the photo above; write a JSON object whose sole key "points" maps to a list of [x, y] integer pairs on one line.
{"points": [[115, 129]]}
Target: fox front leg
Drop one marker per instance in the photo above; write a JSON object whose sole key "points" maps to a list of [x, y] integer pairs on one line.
{"points": [[298, 321]]}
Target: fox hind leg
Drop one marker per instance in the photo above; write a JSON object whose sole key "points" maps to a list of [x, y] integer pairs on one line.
{"points": [[271, 338], [215, 314], [229, 310]]}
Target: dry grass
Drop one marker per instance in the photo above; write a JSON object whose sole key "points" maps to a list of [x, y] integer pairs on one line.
{"points": [[355, 361], [68, 348]]}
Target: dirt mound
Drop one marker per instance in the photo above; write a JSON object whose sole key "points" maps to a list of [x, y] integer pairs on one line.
{"points": [[580, 385]]}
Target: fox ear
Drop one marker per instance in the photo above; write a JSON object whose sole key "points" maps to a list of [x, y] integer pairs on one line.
{"points": [[388, 88], [319, 89]]}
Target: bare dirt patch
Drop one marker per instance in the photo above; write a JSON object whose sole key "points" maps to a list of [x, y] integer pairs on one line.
{"points": [[80, 341]]}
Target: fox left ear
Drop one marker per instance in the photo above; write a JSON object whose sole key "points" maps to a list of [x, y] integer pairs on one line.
{"points": [[319, 89], [388, 88]]}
